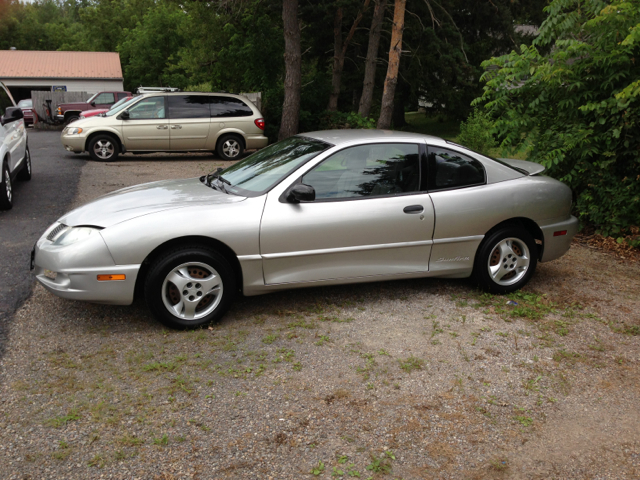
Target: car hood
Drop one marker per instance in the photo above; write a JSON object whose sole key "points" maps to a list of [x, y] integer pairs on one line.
{"points": [[132, 202], [95, 111], [530, 167]]}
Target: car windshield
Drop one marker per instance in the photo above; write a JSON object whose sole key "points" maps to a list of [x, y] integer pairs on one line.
{"points": [[26, 103], [259, 172], [93, 97], [120, 102], [118, 107]]}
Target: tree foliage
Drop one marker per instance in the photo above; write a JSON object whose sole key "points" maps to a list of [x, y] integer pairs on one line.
{"points": [[578, 105]]}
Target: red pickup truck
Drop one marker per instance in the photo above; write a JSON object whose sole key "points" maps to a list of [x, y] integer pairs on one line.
{"points": [[69, 112]]}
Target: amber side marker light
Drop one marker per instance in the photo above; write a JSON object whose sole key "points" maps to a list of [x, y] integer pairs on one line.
{"points": [[106, 278], [561, 232]]}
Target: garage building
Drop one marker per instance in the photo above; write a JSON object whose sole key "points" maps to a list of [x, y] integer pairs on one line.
{"points": [[91, 72]]}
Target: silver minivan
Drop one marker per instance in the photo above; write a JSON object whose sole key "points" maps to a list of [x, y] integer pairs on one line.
{"points": [[15, 160], [170, 122]]}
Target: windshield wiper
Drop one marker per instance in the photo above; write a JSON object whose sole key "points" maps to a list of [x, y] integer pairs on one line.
{"points": [[208, 180]]}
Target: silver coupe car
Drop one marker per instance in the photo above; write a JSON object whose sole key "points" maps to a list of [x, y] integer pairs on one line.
{"points": [[321, 208]]}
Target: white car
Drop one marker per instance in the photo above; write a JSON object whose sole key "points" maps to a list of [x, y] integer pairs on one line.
{"points": [[15, 160]]}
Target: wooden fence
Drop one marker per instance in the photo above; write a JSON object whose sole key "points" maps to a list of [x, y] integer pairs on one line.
{"points": [[256, 99], [38, 97]]}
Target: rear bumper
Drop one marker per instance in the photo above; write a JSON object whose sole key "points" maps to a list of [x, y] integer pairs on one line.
{"points": [[556, 246], [256, 141]]}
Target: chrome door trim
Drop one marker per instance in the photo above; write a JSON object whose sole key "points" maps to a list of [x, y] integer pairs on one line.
{"points": [[472, 238], [358, 248]]}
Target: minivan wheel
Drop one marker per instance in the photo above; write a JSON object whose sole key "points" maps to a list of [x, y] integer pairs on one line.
{"points": [[190, 287], [25, 173], [505, 260], [103, 148], [230, 147], [6, 189]]}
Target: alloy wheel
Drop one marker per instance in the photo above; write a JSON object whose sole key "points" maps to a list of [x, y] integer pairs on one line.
{"points": [[509, 261], [192, 290], [7, 183], [231, 148], [104, 149]]}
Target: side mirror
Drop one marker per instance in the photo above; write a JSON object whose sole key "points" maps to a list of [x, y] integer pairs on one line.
{"points": [[93, 104], [301, 193], [123, 116], [11, 114]]}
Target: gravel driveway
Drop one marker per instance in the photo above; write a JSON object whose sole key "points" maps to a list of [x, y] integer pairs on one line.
{"points": [[409, 379]]}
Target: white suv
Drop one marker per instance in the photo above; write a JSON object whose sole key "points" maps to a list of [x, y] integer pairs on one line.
{"points": [[15, 160], [170, 122]]}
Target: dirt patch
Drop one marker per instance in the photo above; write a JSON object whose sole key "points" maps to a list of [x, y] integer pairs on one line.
{"points": [[409, 379]]}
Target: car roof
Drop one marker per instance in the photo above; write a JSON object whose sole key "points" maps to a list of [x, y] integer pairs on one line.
{"points": [[171, 94], [339, 137]]}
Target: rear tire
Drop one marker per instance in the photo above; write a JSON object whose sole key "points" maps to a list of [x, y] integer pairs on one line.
{"points": [[230, 147], [506, 260], [104, 148], [189, 287], [6, 188], [25, 173]]}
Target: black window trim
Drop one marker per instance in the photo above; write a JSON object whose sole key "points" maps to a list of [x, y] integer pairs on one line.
{"points": [[419, 191], [431, 169]]}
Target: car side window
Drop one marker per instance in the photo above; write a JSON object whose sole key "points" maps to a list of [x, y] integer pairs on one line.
{"points": [[152, 107], [188, 106], [451, 169], [224, 107], [122, 95], [5, 101], [105, 98], [367, 171]]}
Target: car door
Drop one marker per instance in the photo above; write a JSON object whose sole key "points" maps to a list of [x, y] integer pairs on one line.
{"points": [[370, 217], [13, 134], [190, 119], [146, 126], [461, 200]]}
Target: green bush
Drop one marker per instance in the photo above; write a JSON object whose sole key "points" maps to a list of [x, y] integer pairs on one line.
{"points": [[574, 96], [476, 132], [345, 120]]}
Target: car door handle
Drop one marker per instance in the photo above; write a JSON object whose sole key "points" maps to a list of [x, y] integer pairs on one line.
{"points": [[413, 209], [174, 127], [162, 127]]}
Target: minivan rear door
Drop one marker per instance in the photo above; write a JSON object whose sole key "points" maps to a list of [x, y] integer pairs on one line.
{"points": [[190, 120]]}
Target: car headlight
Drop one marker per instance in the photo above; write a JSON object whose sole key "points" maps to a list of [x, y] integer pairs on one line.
{"points": [[69, 235], [74, 131]]}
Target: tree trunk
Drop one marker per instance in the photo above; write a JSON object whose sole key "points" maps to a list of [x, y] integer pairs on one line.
{"points": [[292, 63], [372, 58], [338, 61], [390, 82], [340, 51], [398, 105]]}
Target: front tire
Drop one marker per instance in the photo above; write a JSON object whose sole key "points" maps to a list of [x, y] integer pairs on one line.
{"points": [[506, 260], [6, 188], [103, 148], [25, 173], [190, 287], [230, 147]]}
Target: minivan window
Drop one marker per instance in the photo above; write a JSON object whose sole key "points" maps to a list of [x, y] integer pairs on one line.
{"points": [[224, 107], [189, 106], [148, 108], [118, 107]]}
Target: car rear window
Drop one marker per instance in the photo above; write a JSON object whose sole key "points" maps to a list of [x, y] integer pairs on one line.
{"points": [[224, 107]]}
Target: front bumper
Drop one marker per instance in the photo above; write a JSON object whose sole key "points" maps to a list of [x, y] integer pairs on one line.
{"points": [[72, 271], [73, 143], [557, 245]]}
